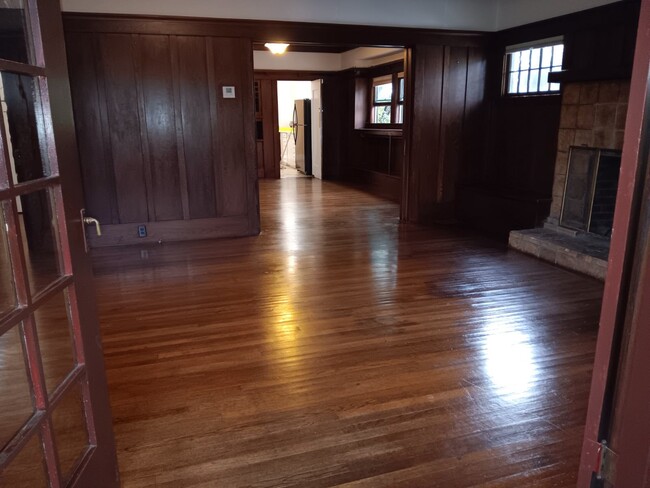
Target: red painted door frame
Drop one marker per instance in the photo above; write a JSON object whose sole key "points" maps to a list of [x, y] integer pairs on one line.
{"points": [[619, 382]]}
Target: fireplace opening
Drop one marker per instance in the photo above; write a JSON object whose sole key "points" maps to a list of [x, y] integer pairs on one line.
{"points": [[590, 190]]}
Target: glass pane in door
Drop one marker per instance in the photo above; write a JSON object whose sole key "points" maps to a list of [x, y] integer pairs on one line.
{"points": [[70, 432], [27, 470], [40, 239], [7, 290], [15, 395], [26, 141], [55, 340], [14, 32]]}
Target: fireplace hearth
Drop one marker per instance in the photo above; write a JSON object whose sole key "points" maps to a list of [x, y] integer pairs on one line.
{"points": [[577, 233]]}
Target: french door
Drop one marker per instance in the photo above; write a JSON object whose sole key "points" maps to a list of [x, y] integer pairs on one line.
{"points": [[55, 422], [616, 444]]}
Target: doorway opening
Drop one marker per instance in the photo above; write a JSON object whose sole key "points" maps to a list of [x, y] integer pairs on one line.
{"points": [[333, 112], [299, 136]]}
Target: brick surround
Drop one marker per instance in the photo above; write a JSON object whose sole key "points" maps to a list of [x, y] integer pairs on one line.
{"points": [[593, 114]]}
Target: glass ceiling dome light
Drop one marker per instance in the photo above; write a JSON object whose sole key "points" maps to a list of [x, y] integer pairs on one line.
{"points": [[276, 47]]}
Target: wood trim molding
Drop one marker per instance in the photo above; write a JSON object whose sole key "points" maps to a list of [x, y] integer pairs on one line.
{"points": [[172, 231], [291, 75], [260, 31]]}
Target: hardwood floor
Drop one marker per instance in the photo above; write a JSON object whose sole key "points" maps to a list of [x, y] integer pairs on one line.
{"points": [[340, 348]]}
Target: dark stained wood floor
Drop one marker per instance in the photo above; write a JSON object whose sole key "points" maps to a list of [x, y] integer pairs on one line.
{"points": [[340, 348]]}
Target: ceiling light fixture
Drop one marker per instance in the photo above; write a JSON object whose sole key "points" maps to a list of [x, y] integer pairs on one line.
{"points": [[276, 47]]}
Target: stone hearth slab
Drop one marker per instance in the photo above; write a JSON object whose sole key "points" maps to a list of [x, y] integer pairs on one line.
{"points": [[585, 253]]}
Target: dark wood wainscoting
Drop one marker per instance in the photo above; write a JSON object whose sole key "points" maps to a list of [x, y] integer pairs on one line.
{"points": [[159, 144]]}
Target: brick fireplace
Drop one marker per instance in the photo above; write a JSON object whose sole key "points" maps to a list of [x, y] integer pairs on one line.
{"points": [[592, 123]]}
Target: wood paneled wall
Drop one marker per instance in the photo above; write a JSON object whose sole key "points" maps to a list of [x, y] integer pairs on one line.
{"points": [[122, 93], [159, 145], [447, 87], [508, 183]]}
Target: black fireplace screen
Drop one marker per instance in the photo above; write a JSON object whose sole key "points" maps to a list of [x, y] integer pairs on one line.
{"points": [[590, 190]]}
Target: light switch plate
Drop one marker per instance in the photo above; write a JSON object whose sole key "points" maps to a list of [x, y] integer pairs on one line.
{"points": [[228, 92]]}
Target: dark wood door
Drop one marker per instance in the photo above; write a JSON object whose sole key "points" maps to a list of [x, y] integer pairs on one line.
{"points": [[55, 425], [619, 400]]}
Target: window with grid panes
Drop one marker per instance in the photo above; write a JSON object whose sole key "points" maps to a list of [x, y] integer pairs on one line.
{"points": [[388, 99], [527, 67]]}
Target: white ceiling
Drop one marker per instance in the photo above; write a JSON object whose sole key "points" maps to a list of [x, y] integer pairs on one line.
{"points": [[484, 15]]}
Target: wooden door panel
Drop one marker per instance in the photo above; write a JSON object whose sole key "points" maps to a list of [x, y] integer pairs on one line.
{"points": [[119, 80], [160, 120], [451, 120], [425, 136], [90, 108], [197, 133]]}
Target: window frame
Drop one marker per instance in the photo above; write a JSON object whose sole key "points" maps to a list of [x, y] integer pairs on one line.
{"points": [[374, 83], [394, 103], [553, 67]]}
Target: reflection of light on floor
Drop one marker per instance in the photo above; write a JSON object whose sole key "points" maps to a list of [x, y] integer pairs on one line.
{"points": [[383, 259], [510, 362], [291, 264], [285, 327], [292, 234], [285, 324]]}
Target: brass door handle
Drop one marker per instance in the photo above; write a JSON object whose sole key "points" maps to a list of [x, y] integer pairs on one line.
{"points": [[89, 221], [95, 222]]}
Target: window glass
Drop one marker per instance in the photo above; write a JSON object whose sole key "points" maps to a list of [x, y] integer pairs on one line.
{"points": [[26, 141], [70, 430], [381, 114], [383, 92], [534, 57], [7, 288], [527, 69], [39, 229], [13, 31], [399, 116], [16, 398], [547, 56]]}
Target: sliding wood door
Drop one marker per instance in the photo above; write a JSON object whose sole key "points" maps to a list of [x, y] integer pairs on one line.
{"points": [[165, 135]]}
